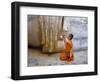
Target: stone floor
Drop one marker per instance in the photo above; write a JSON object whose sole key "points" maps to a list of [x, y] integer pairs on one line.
{"points": [[37, 58]]}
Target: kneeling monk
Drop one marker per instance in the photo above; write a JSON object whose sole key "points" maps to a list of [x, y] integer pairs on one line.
{"points": [[67, 54]]}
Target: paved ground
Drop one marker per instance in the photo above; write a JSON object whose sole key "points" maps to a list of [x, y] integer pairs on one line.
{"points": [[37, 58]]}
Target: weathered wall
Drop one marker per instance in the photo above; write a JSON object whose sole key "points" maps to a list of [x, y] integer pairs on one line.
{"points": [[78, 26], [34, 36]]}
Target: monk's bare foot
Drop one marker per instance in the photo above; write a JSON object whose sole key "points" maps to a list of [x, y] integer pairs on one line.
{"points": [[69, 62]]}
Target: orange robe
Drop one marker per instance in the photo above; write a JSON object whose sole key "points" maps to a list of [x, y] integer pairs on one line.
{"points": [[67, 54]]}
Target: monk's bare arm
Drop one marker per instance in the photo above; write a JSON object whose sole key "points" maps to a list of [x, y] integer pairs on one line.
{"points": [[64, 38]]}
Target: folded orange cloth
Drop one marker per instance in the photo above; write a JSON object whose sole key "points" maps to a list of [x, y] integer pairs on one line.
{"points": [[65, 57]]}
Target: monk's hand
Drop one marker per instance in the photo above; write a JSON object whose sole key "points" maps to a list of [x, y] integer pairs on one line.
{"points": [[63, 35]]}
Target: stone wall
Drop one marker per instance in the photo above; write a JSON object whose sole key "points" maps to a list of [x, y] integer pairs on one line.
{"points": [[78, 26], [34, 35]]}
